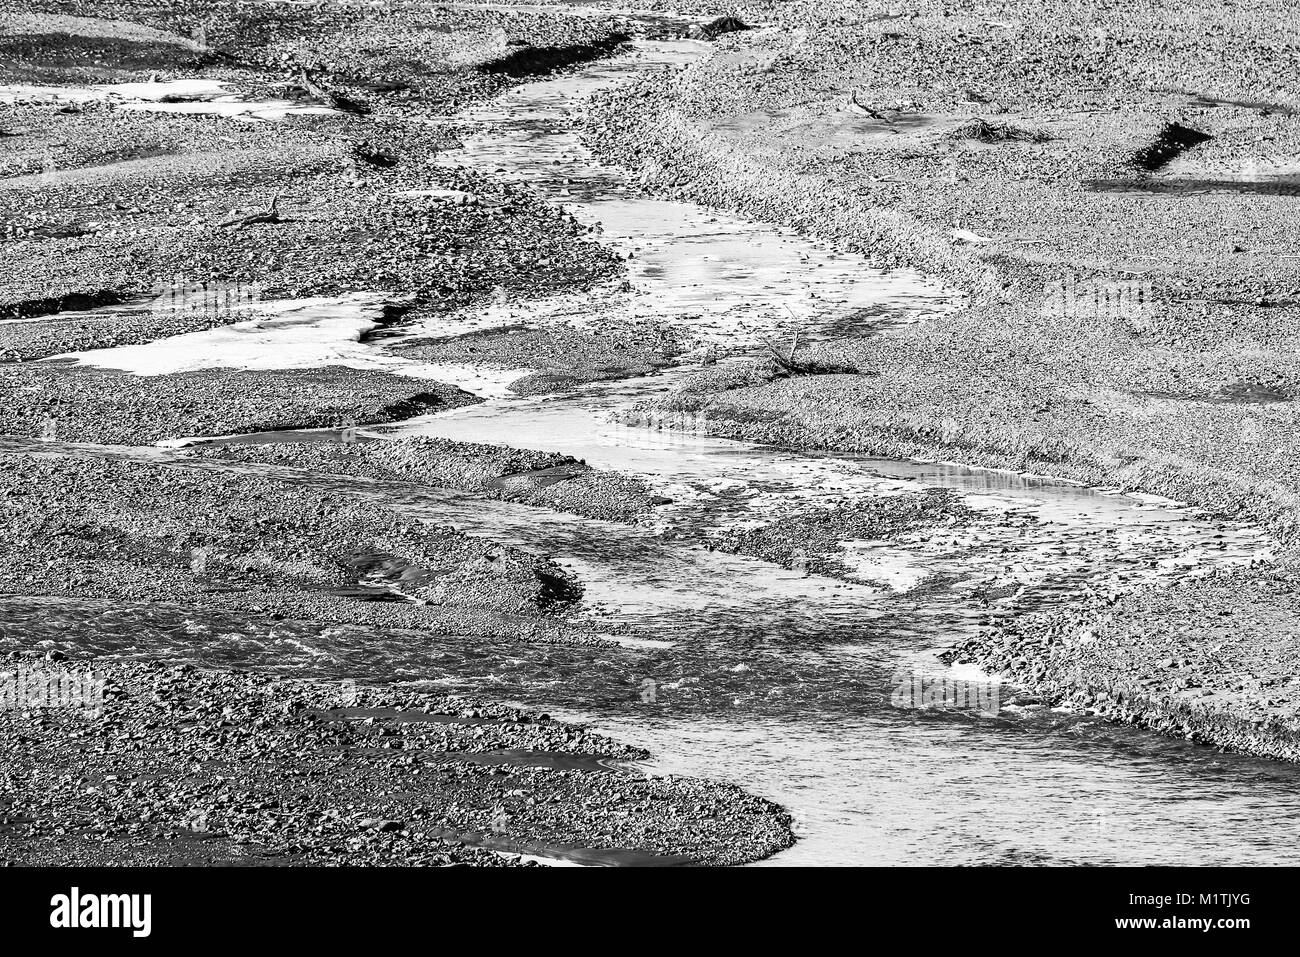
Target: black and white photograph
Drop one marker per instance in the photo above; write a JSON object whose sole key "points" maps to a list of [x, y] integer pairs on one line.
{"points": [[850, 434]]}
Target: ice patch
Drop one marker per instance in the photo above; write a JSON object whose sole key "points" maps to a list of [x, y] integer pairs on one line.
{"points": [[293, 334], [283, 334], [482, 381], [167, 96], [867, 560]]}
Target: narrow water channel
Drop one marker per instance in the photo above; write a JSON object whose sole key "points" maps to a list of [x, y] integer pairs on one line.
{"points": [[808, 698]]}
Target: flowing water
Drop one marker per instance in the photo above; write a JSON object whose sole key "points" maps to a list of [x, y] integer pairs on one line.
{"points": [[826, 695]]}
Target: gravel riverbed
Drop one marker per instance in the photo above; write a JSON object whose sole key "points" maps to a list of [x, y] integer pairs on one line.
{"points": [[181, 766], [1106, 193], [1109, 192], [176, 170]]}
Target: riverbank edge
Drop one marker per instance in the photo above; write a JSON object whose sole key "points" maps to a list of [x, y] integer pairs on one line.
{"points": [[1030, 655], [674, 157], [235, 708]]}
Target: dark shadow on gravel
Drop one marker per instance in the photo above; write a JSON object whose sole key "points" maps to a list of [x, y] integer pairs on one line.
{"points": [[68, 302], [1260, 105], [1240, 393], [539, 61], [1288, 185], [418, 404], [392, 316], [1172, 141], [56, 57]]}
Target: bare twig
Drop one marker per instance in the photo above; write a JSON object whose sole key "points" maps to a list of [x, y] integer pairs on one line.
{"points": [[792, 367], [312, 87], [269, 215], [867, 110], [330, 99]]}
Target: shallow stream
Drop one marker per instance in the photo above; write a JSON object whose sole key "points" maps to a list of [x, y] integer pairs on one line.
{"points": [[826, 695]]}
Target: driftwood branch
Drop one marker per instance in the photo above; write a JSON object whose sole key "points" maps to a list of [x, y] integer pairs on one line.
{"points": [[269, 215], [868, 110], [792, 366], [330, 99]]}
